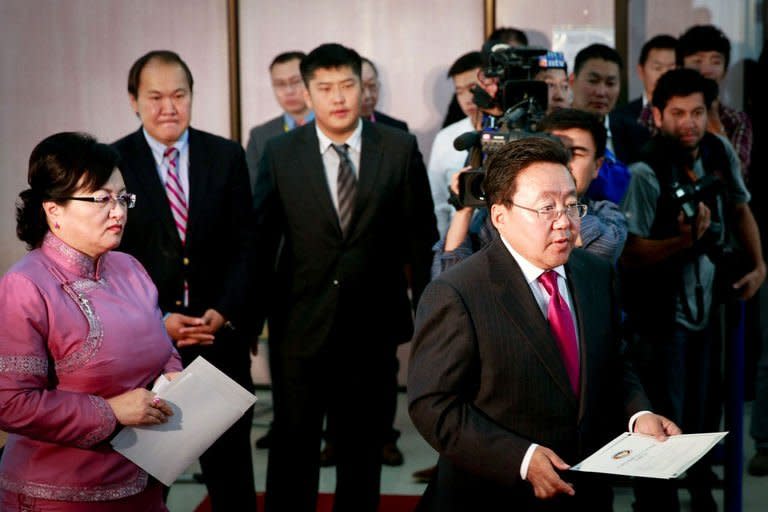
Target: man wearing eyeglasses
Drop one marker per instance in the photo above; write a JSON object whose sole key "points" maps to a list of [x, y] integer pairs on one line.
{"points": [[289, 92], [371, 88], [192, 229], [516, 370]]}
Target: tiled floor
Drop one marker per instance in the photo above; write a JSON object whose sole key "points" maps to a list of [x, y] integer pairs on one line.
{"points": [[184, 497]]}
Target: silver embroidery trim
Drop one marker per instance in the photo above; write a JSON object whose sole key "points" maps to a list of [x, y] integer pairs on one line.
{"points": [[83, 263], [69, 493], [95, 335], [105, 427], [86, 285], [24, 365]]}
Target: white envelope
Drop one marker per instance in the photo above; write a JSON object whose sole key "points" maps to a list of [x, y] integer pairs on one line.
{"points": [[205, 404]]}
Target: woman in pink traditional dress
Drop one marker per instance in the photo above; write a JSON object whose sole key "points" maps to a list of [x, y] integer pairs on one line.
{"points": [[82, 339]]}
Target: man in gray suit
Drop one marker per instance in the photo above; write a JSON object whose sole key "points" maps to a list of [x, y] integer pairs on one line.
{"points": [[289, 93]]}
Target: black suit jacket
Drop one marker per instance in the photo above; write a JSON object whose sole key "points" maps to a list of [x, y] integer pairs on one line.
{"points": [[390, 121], [486, 378], [215, 258], [322, 276]]}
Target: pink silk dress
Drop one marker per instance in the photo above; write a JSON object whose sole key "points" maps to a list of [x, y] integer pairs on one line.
{"points": [[74, 333]]}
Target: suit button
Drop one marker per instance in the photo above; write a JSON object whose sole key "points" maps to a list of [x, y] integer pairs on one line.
{"points": [[178, 303], [336, 283], [185, 261]]}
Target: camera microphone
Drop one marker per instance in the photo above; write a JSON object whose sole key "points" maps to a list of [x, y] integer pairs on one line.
{"points": [[466, 141]]}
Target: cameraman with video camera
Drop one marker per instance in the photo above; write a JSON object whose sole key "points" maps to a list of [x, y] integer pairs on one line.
{"points": [[687, 210]]}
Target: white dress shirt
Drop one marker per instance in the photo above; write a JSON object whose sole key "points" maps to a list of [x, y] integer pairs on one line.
{"points": [[158, 149], [331, 158]]}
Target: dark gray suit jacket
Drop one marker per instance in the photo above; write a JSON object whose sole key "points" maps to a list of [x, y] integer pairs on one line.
{"points": [[321, 275], [257, 140], [486, 378]]}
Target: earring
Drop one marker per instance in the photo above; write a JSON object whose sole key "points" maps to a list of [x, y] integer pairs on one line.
{"points": [[56, 225]]}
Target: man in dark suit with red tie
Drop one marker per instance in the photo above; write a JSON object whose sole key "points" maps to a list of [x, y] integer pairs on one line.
{"points": [[192, 229], [350, 201], [516, 367]]}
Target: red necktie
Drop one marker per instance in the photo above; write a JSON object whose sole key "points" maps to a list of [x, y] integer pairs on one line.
{"points": [[561, 324], [177, 200], [175, 193]]}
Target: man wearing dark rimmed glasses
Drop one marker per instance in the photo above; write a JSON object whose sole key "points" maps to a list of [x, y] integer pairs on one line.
{"points": [[516, 368]]}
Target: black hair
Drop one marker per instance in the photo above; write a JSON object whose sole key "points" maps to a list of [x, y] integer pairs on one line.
{"points": [[569, 118], [683, 82], [287, 57], [466, 62], [505, 165], [370, 63], [164, 56], [59, 166], [330, 56], [596, 51], [703, 38], [509, 35], [658, 42]]}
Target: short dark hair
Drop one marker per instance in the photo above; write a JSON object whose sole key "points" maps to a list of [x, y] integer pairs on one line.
{"points": [[508, 35], [330, 56], [59, 166], [505, 165], [596, 51], [287, 57], [466, 62], [683, 82], [164, 56], [703, 38], [370, 63], [658, 42], [569, 118]]}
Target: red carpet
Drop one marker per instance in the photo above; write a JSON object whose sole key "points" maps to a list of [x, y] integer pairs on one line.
{"points": [[389, 503]]}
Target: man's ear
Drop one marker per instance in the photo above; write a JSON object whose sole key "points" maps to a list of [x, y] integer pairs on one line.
{"points": [[656, 117], [598, 165], [134, 105], [308, 99], [498, 215]]}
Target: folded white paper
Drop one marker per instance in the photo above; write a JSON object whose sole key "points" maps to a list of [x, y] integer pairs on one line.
{"points": [[205, 404], [645, 456]]}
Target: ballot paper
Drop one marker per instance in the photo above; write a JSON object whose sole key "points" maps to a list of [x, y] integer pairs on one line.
{"points": [[632, 454], [205, 403]]}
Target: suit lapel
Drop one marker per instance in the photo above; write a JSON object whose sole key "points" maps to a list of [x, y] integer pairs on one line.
{"points": [[517, 299], [153, 190], [199, 173], [311, 165], [583, 293]]}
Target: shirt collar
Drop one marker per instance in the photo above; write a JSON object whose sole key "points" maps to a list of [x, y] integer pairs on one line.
{"points": [[354, 141], [70, 258], [530, 271], [158, 148], [289, 123]]}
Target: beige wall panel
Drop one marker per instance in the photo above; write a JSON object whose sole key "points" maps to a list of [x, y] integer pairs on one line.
{"points": [[64, 66], [412, 43]]}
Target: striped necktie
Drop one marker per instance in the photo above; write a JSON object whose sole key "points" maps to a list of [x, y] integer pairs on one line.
{"points": [[176, 198], [561, 325], [346, 186]]}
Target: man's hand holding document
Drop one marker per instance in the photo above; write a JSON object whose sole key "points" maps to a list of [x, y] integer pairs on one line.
{"points": [[633, 454], [205, 403]]}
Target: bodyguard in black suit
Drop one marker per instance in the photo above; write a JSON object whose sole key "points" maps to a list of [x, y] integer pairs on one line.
{"points": [[506, 396], [355, 220], [192, 229]]}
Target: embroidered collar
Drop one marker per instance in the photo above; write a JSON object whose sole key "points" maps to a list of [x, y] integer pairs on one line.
{"points": [[70, 258]]}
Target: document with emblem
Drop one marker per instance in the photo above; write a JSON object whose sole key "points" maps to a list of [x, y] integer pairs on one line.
{"points": [[632, 454], [205, 403]]}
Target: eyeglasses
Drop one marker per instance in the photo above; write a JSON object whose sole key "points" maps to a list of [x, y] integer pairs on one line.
{"points": [[125, 199], [550, 213]]}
